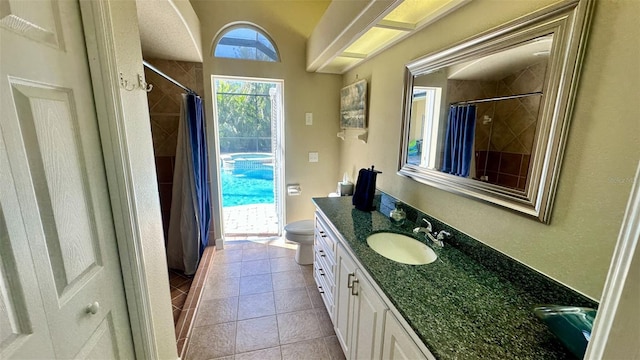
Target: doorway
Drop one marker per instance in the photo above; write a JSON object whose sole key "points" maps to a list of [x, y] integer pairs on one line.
{"points": [[249, 125]]}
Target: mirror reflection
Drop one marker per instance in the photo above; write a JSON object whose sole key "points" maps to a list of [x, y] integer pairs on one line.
{"points": [[478, 118]]}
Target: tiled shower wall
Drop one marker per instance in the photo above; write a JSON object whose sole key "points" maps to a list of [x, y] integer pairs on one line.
{"points": [[505, 129], [164, 110]]}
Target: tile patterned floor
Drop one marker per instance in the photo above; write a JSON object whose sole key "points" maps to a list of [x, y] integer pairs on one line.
{"points": [[258, 303], [179, 285]]}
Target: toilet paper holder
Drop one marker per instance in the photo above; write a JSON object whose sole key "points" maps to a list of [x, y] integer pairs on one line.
{"points": [[293, 189]]}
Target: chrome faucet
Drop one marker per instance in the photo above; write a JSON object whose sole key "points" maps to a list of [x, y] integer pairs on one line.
{"points": [[439, 237], [426, 230]]}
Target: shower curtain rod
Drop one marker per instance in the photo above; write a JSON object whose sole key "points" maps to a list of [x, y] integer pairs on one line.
{"points": [[497, 98], [167, 77]]}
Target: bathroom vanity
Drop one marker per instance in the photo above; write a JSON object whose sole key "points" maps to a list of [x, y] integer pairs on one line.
{"points": [[471, 302]]}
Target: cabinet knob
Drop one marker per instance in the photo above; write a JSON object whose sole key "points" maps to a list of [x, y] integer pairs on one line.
{"points": [[92, 308], [320, 288]]}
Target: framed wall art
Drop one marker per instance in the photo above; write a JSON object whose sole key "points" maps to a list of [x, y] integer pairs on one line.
{"points": [[353, 106]]}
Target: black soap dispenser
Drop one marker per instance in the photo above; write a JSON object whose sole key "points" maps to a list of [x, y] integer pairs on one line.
{"points": [[365, 189]]}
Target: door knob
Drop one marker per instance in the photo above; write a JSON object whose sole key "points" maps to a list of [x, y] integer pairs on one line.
{"points": [[93, 308]]}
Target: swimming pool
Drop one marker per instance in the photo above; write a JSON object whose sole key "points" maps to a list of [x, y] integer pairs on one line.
{"points": [[253, 186]]}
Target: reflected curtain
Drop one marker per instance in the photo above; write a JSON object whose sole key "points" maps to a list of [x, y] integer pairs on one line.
{"points": [[458, 145], [190, 206]]}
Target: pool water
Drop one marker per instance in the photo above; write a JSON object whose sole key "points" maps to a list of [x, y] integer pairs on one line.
{"points": [[246, 188]]}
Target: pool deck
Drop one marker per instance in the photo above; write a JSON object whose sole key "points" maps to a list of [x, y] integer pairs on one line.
{"points": [[255, 220]]}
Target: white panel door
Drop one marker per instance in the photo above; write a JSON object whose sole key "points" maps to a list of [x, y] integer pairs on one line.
{"points": [[61, 285]]}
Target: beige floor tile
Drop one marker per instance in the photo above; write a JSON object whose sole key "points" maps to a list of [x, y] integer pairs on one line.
{"points": [[212, 341], [264, 354], [255, 284], [284, 264], [255, 254], [298, 326], [254, 244], [324, 322], [292, 300], [255, 267], [308, 350], [256, 305], [334, 348], [287, 280], [255, 334], [307, 273], [224, 270], [233, 245], [227, 256], [221, 288], [216, 311], [276, 251], [314, 295]]}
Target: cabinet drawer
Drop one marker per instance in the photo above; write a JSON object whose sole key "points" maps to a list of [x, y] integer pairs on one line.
{"points": [[323, 245], [327, 290], [324, 269], [325, 237]]}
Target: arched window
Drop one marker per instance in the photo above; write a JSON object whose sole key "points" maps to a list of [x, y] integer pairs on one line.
{"points": [[245, 41]]}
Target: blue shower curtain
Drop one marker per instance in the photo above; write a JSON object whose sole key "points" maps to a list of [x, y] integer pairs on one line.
{"points": [[458, 145], [190, 205]]}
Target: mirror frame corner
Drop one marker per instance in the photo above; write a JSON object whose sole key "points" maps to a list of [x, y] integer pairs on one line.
{"points": [[569, 21]]}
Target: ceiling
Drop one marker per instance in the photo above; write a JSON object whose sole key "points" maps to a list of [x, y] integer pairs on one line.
{"points": [[348, 33], [169, 30], [351, 32]]}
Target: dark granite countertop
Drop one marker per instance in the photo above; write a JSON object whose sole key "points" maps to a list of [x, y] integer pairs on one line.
{"points": [[471, 303]]}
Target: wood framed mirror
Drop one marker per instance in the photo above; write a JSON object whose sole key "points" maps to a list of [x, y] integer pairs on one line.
{"points": [[488, 118]]}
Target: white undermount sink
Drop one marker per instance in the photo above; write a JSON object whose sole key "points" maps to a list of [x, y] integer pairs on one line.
{"points": [[401, 248]]}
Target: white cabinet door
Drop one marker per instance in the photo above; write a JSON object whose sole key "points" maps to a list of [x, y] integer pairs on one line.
{"points": [[368, 320], [359, 311], [344, 304], [61, 290], [397, 344]]}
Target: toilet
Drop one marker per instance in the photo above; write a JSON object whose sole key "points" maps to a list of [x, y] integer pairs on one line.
{"points": [[301, 232]]}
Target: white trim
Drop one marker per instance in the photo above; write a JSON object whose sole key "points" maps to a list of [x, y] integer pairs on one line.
{"points": [[99, 36], [216, 190], [618, 272]]}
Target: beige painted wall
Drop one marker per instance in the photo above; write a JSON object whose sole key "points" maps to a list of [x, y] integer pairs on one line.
{"points": [[289, 24], [601, 153]]}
